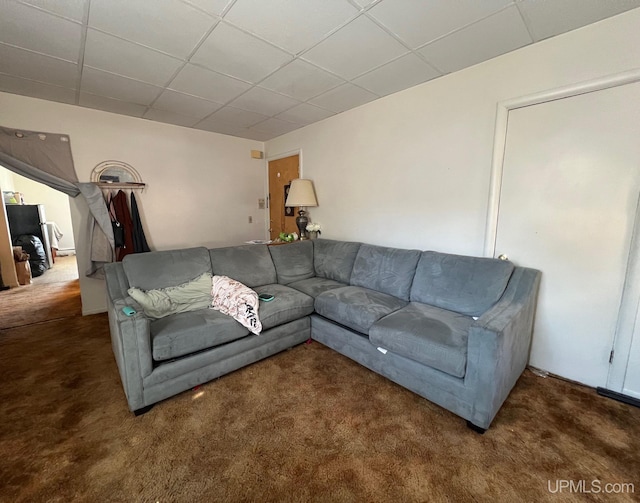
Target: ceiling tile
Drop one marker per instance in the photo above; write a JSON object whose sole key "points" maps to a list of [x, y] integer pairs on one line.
{"points": [[547, 19], [232, 52], [236, 117], [486, 39], [405, 72], [343, 98], [292, 25], [96, 81], [170, 26], [207, 84], [305, 114], [128, 59], [275, 127], [39, 31], [300, 80], [111, 105], [25, 87], [173, 101], [170, 117], [355, 49], [73, 9], [31, 65], [418, 22], [214, 7], [217, 127], [365, 3], [264, 102], [252, 134]]}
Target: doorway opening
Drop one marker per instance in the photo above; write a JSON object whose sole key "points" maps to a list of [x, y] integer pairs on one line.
{"points": [[38, 221], [281, 172]]}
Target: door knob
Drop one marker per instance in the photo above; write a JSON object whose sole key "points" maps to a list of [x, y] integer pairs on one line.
{"points": [[503, 257]]}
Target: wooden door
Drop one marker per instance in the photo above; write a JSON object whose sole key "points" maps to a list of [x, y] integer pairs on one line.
{"points": [[567, 207], [281, 172]]}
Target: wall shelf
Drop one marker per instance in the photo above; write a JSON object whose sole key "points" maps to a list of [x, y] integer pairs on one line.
{"points": [[121, 185], [113, 175]]}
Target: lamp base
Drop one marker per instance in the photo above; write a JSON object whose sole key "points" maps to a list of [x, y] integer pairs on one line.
{"points": [[302, 221]]}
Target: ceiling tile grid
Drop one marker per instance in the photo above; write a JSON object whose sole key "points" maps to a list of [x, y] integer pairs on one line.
{"points": [[259, 69], [230, 51]]}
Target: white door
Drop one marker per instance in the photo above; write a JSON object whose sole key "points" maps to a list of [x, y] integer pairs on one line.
{"points": [[631, 384], [570, 186]]}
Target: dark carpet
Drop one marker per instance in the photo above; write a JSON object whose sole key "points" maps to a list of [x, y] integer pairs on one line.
{"points": [[305, 425], [36, 303]]}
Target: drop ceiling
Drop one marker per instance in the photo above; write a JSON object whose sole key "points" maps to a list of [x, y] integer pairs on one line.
{"points": [[260, 68]]}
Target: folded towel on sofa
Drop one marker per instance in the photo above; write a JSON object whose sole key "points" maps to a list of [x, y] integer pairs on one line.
{"points": [[234, 299], [190, 296]]}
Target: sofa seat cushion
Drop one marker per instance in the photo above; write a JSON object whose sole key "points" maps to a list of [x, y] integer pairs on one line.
{"points": [[288, 305], [184, 333], [432, 336], [316, 286], [356, 307]]}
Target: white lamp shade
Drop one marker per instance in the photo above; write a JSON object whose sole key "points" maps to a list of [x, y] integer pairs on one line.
{"points": [[301, 193]]}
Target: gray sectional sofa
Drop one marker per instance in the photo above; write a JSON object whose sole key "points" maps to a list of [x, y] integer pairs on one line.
{"points": [[456, 330]]}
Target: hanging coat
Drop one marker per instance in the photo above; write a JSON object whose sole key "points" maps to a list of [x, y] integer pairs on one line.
{"points": [[124, 217], [101, 232], [139, 240]]}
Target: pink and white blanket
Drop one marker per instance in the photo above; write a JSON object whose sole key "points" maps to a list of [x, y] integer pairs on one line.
{"points": [[232, 298]]}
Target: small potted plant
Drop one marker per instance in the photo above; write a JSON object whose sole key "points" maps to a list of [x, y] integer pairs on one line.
{"points": [[314, 230], [288, 237]]}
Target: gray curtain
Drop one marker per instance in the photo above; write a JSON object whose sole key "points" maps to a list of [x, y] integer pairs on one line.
{"points": [[43, 157], [47, 158]]}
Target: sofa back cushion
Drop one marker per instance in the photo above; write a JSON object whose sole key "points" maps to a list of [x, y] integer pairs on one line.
{"points": [[293, 261], [163, 269], [334, 259], [248, 264], [466, 285], [387, 270]]}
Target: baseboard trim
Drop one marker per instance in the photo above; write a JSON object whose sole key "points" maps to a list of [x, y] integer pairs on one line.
{"points": [[97, 310], [629, 400]]}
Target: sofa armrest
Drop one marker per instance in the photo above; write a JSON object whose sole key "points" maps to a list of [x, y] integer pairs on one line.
{"points": [[117, 282], [131, 341], [499, 344]]}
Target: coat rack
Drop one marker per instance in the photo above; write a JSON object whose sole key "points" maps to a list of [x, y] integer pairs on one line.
{"points": [[116, 175]]}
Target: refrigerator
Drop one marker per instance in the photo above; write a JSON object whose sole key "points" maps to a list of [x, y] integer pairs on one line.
{"points": [[29, 219]]}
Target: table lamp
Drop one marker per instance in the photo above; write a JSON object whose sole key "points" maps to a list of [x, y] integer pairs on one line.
{"points": [[301, 194]]}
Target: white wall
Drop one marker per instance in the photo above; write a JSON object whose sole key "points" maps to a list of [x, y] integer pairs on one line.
{"points": [[9, 277], [56, 205], [413, 169], [6, 180], [202, 187]]}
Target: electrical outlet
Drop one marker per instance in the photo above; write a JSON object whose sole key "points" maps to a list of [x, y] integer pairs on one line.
{"points": [[261, 204], [250, 219]]}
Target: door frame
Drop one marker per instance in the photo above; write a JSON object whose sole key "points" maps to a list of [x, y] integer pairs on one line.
{"points": [[623, 336], [270, 158]]}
